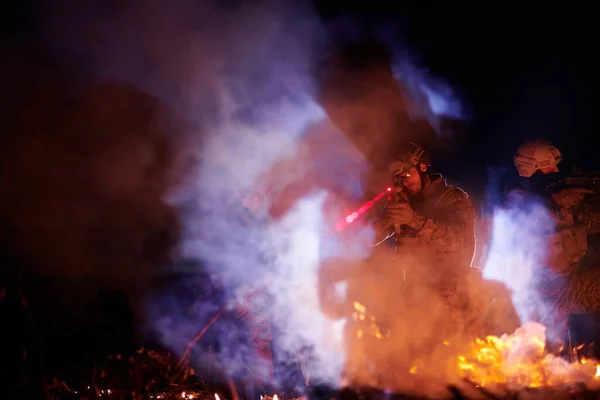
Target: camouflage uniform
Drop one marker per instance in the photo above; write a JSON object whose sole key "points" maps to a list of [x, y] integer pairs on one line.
{"points": [[570, 280], [442, 234], [420, 287], [435, 251], [583, 290]]}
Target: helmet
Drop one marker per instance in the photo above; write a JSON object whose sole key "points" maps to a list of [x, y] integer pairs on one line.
{"points": [[535, 155], [410, 155]]}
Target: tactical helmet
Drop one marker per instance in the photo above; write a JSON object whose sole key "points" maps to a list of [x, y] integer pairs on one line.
{"points": [[410, 155], [535, 155]]}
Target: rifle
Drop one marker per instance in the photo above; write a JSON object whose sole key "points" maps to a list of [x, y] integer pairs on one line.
{"points": [[587, 181], [591, 181]]}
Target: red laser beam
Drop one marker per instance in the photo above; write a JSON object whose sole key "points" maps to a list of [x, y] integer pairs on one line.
{"points": [[350, 218]]}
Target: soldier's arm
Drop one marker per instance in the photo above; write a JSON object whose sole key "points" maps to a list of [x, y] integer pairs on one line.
{"points": [[448, 227], [583, 294], [590, 218]]}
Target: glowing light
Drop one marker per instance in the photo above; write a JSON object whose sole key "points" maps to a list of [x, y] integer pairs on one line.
{"points": [[521, 359], [361, 210]]}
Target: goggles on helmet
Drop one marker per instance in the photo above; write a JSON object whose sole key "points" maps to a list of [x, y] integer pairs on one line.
{"points": [[525, 166]]}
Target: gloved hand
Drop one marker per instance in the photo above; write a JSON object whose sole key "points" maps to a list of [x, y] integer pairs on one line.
{"points": [[570, 197], [400, 213]]}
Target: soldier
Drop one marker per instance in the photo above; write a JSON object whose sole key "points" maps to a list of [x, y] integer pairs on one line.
{"points": [[419, 287], [564, 282], [431, 220], [433, 225]]}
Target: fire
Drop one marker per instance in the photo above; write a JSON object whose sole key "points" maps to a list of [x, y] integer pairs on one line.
{"points": [[360, 314], [521, 359]]}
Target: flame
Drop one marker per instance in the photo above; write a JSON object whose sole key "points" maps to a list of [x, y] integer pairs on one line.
{"points": [[521, 359], [360, 314]]}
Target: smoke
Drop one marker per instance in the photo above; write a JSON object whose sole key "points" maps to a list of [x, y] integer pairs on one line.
{"points": [[259, 255], [431, 98], [241, 76], [518, 252], [261, 108]]}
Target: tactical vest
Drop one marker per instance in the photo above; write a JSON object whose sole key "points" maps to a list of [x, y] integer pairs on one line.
{"points": [[417, 244]]}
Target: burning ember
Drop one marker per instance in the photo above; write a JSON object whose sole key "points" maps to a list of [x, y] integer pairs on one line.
{"points": [[521, 359], [508, 364], [360, 314]]}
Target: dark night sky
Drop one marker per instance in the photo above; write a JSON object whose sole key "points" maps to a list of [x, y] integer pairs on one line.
{"points": [[524, 73]]}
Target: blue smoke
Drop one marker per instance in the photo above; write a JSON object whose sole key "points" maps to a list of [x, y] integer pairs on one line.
{"points": [[518, 250], [429, 97], [240, 76], [263, 114], [242, 80]]}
